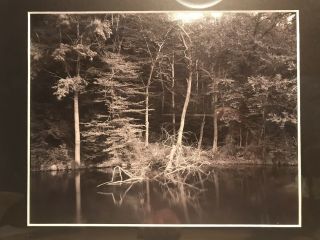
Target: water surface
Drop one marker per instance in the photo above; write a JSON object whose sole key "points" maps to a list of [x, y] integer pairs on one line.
{"points": [[238, 195]]}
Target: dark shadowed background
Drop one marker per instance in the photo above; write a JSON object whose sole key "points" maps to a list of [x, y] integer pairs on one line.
{"points": [[13, 120]]}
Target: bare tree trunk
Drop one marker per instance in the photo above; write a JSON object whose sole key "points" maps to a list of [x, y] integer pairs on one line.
{"points": [[147, 106], [184, 111], [172, 97], [163, 94], [197, 86], [197, 77], [240, 137], [201, 132], [177, 146], [154, 61], [117, 42], [76, 130], [117, 21], [76, 114], [182, 120], [213, 105], [215, 126]]}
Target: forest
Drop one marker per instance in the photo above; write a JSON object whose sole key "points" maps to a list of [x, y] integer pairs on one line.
{"points": [[150, 94]]}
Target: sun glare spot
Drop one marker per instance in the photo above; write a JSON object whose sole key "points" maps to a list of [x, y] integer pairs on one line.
{"points": [[187, 17], [216, 15]]}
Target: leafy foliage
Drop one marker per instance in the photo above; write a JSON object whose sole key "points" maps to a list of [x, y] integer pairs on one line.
{"points": [[66, 85], [280, 109], [117, 126]]}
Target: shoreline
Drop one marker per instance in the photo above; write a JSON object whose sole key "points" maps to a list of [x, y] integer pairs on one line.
{"points": [[217, 163]]}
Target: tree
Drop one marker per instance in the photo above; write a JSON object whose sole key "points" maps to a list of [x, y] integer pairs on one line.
{"points": [[146, 48], [116, 129], [274, 99], [154, 43], [80, 39], [188, 55]]}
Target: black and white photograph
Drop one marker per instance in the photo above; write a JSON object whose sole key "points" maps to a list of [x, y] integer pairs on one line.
{"points": [[170, 118]]}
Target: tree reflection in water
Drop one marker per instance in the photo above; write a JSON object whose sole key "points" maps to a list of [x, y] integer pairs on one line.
{"points": [[190, 198], [117, 200], [77, 181], [183, 194]]}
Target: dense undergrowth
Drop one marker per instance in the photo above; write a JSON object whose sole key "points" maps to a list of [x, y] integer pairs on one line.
{"points": [[155, 157]]}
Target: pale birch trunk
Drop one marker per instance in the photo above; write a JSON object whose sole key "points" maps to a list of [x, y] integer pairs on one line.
{"points": [[184, 111], [76, 130], [215, 126], [178, 144], [76, 114], [163, 96]]}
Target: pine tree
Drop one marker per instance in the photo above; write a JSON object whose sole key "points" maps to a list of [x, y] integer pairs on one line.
{"points": [[117, 130]]}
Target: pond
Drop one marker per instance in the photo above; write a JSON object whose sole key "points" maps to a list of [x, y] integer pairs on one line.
{"points": [[229, 195]]}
